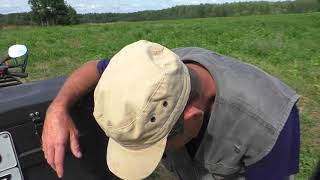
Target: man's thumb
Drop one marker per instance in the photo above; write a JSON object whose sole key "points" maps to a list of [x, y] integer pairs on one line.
{"points": [[75, 147]]}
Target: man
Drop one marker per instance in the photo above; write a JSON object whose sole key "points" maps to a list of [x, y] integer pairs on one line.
{"points": [[210, 117]]}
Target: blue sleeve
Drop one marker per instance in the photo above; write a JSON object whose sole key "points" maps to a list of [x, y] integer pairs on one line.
{"points": [[283, 159], [102, 65]]}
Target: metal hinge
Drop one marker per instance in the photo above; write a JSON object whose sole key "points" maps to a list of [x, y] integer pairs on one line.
{"points": [[38, 123]]}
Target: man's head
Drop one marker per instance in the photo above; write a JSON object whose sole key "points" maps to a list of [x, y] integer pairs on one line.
{"points": [[190, 121], [138, 100]]}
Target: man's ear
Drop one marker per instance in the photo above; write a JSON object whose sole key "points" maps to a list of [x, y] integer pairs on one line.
{"points": [[193, 118], [192, 122]]}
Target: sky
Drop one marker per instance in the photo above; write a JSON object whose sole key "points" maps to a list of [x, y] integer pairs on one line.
{"points": [[102, 6]]}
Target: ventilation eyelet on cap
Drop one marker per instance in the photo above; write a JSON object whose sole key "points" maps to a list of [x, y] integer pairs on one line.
{"points": [[165, 104], [153, 119]]}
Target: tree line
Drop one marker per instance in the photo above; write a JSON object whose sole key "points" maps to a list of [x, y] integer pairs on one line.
{"points": [[208, 10], [65, 14]]}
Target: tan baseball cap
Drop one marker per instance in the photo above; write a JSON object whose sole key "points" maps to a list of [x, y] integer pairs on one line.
{"points": [[138, 99]]}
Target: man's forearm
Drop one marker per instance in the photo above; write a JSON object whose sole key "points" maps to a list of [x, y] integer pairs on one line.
{"points": [[80, 82]]}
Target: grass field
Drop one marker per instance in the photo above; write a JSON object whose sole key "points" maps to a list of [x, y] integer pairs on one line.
{"points": [[286, 46]]}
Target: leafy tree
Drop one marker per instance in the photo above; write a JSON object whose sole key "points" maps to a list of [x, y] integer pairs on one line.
{"points": [[52, 12], [39, 11]]}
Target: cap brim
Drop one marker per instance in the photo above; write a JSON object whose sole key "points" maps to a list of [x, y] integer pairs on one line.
{"points": [[134, 164]]}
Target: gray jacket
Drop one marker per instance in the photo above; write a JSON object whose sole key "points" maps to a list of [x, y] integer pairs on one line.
{"points": [[250, 109]]}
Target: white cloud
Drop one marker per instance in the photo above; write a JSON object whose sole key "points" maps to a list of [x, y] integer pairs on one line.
{"points": [[195, 2], [100, 6], [12, 6]]}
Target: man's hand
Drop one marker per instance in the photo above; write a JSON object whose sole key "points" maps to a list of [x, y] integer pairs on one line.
{"points": [[58, 131]]}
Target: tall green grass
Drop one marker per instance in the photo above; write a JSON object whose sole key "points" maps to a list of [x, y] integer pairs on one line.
{"points": [[286, 46]]}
